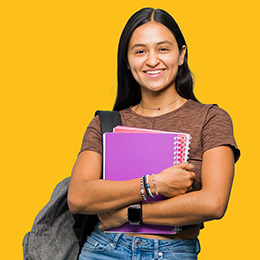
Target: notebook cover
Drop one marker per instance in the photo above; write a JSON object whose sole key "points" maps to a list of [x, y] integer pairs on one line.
{"points": [[183, 138], [131, 155]]}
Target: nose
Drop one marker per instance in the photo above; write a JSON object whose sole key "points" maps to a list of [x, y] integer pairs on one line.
{"points": [[152, 60]]}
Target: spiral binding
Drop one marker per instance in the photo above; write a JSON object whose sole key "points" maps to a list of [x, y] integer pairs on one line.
{"points": [[181, 148]]}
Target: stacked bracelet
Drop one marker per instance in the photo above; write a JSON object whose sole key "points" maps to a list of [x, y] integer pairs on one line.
{"points": [[147, 186], [154, 183], [142, 188]]}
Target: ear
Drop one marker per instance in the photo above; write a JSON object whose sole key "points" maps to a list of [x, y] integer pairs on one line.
{"points": [[182, 54], [127, 65]]}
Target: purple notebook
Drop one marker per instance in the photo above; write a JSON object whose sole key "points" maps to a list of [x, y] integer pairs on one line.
{"points": [[131, 155]]}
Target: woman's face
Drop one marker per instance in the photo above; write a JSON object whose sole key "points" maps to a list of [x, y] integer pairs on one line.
{"points": [[154, 57]]}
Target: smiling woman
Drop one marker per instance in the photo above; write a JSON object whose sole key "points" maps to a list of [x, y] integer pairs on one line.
{"points": [[155, 91], [128, 88], [154, 59]]}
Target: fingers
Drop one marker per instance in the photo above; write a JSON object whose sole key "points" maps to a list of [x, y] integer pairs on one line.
{"points": [[101, 219], [192, 175], [186, 166]]}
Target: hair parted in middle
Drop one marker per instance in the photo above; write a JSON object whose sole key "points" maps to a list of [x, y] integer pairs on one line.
{"points": [[128, 90]]}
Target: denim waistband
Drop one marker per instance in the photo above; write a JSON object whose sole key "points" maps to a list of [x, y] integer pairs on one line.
{"points": [[137, 242]]}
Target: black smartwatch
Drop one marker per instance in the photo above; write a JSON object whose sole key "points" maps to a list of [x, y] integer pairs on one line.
{"points": [[135, 214]]}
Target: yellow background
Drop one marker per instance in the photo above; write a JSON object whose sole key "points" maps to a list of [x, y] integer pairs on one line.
{"points": [[58, 65]]}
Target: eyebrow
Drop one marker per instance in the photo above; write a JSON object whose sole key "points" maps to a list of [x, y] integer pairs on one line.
{"points": [[143, 45]]}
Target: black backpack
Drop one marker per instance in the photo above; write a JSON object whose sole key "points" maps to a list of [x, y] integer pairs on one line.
{"points": [[57, 234]]}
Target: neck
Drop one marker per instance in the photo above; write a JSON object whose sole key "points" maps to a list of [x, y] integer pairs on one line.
{"points": [[159, 105]]}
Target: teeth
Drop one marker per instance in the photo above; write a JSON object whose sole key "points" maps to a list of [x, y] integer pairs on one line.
{"points": [[152, 72]]}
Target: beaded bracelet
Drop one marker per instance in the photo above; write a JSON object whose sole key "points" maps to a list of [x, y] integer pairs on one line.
{"points": [[147, 186], [154, 183], [142, 188]]}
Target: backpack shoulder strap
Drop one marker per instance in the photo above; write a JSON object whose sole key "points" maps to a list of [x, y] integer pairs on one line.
{"points": [[108, 120], [84, 224]]}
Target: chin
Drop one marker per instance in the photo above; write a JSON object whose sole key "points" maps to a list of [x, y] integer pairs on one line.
{"points": [[158, 88]]}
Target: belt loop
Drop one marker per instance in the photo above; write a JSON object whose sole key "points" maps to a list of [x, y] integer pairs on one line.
{"points": [[156, 248], [197, 246], [118, 235]]}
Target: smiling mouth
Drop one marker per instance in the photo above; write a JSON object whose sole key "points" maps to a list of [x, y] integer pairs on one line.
{"points": [[154, 72]]}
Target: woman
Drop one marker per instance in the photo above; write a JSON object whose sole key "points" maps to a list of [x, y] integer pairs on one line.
{"points": [[155, 91]]}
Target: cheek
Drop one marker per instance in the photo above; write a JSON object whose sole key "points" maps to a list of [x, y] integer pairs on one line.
{"points": [[136, 69], [171, 61], [135, 64], [136, 75]]}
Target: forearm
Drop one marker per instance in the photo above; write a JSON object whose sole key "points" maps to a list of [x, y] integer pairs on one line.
{"points": [[191, 208], [88, 194], [99, 196], [194, 207], [207, 204]]}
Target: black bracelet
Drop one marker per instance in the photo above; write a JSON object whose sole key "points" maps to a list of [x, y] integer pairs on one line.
{"points": [[147, 186], [142, 188]]}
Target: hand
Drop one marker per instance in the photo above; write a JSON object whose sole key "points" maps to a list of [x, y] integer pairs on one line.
{"points": [[175, 180], [112, 219]]}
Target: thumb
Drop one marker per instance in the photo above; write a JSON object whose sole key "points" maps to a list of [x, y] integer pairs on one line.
{"points": [[101, 227]]}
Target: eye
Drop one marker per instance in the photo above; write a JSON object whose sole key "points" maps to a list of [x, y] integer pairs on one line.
{"points": [[140, 52], [163, 49]]}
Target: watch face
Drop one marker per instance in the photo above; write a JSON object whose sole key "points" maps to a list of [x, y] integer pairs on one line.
{"points": [[134, 214]]}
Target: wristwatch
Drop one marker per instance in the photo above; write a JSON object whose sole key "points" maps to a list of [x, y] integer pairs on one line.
{"points": [[135, 214]]}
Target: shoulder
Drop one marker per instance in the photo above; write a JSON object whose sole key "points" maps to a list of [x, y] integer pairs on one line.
{"points": [[218, 129], [94, 123], [128, 116], [125, 112], [209, 110], [217, 114], [192, 107], [197, 106]]}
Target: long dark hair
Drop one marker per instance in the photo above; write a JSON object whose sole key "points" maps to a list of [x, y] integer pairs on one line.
{"points": [[128, 90]]}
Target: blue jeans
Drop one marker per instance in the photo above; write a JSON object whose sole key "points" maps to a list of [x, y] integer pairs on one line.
{"points": [[105, 246]]}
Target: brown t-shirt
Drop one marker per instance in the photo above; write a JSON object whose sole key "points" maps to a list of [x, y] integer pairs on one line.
{"points": [[208, 125]]}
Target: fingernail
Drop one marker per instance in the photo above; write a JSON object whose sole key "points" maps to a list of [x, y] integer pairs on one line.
{"points": [[192, 164]]}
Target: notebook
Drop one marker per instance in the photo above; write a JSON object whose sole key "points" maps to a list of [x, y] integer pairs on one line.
{"points": [[183, 138], [131, 155]]}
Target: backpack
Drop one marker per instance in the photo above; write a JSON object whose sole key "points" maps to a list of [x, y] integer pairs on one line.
{"points": [[57, 234]]}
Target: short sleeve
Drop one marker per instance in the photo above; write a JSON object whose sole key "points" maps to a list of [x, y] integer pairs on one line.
{"points": [[218, 130], [92, 140]]}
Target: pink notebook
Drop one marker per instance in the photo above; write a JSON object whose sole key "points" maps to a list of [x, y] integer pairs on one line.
{"points": [[131, 155], [183, 138]]}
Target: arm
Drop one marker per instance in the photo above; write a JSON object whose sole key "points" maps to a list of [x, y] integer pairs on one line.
{"points": [[207, 204], [88, 194], [191, 208]]}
